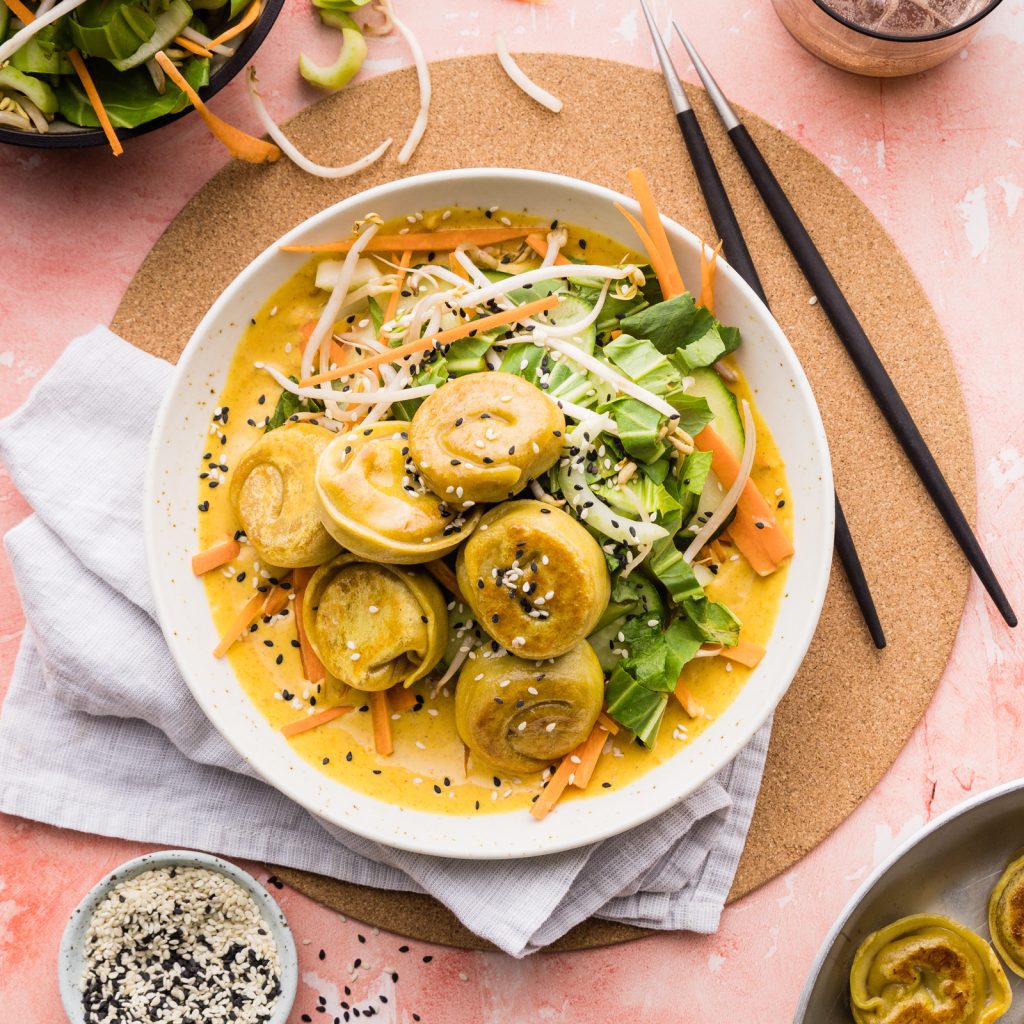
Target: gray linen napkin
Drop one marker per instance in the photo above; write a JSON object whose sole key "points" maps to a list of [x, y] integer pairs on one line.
{"points": [[100, 733]]}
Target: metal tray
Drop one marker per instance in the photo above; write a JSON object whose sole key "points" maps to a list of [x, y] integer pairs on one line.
{"points": [[950, 867]]}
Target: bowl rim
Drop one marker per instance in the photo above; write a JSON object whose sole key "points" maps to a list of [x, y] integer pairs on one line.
{"points": [[892, 37], [533, 843], [70, 952], [86, 138]]}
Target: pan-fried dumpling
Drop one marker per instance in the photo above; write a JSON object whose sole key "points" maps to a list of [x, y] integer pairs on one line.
{"points": [[374, 626], [274, 496], [372, 501], [535, 579], [521, 716], [483, 437]]}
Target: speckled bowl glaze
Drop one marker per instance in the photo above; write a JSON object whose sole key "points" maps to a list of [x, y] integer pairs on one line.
{"points": [[70, 963], [782, 394]]}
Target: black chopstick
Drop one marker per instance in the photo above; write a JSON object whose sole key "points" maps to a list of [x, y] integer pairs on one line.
{"points": [[852, 335], [739, 258]]}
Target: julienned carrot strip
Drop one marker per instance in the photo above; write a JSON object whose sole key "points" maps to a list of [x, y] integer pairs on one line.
{"points": [[315, 721], [95, 102], [589, 754], [216, 556], [20, 11], [428, 241], [608, 724], [380, 712], [312, 667], [457, 268], [187, 44], [657, 263], [389, 313], [746, 537], [402, 699], [239, 625], [539, 245], [440, 571], [746, 652], [300, 577], [551, 793], [277, 596], [707, 278], [576, 769], [484, 323], [238, 143], [690, 703], [755, 531], [655, 228], [239, 26]]}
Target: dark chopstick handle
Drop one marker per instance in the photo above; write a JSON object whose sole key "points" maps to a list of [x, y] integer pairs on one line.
{"points": [[864, 357], [717, 200], [738, 255], [847, 551]]}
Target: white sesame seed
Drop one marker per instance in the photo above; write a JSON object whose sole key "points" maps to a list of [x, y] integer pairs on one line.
{"points": [[550, 727]]}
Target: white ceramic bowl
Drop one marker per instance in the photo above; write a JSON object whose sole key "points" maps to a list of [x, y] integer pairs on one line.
{"points": [[70, 964], [783, 397]]}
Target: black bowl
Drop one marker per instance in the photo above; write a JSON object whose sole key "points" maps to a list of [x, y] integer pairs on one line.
{"points": [[80, 138]]}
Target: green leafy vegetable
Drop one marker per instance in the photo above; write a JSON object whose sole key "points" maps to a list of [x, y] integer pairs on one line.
{"points": [[655, 661], [559, 379], [639, 426], [684, 330], [128, 96], [673, 572], [45, 53], [694, 412], [693, 476], [635, 707], [288, 405], [376, 315], [642, 363], [714, 621], [641, 491]]}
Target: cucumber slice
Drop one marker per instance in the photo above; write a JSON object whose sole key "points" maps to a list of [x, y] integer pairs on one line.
{"points": [[569, 310], [724, 408], [727, 422]]}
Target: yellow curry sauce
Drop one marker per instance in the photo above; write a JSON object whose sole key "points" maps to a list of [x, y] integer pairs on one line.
{"points": [[427, 770]]}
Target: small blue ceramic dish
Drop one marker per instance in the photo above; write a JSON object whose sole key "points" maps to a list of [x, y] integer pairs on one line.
{"points": [[70, 962]]}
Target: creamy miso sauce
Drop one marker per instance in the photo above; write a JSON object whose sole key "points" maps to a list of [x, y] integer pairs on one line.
{"points": [[428, 770]]}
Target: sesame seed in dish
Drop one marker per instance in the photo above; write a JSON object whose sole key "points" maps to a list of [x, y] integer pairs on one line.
{"points": [[177, 944]]}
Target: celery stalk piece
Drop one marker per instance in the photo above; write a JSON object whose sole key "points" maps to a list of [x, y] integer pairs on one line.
{"points": [[349, 60], [34, 89]]}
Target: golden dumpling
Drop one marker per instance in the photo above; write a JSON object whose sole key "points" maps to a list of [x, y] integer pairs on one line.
{"points": [[521, 716], [484, 436], [274, 496], [535, 579], [1006, 916], [374, 626], [373, 503], [927, 969]]}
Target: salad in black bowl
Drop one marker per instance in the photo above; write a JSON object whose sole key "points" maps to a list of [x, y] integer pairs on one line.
{"points": [[83, 72]]}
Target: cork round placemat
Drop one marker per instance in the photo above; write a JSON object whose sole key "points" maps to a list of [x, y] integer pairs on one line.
{"points": [[850, 709]]}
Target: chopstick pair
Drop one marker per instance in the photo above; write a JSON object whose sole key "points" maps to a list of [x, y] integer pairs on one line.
{"points": [[836, 307]]}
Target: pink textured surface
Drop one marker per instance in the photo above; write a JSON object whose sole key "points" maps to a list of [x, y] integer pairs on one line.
{"points": [[937, 158]]}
